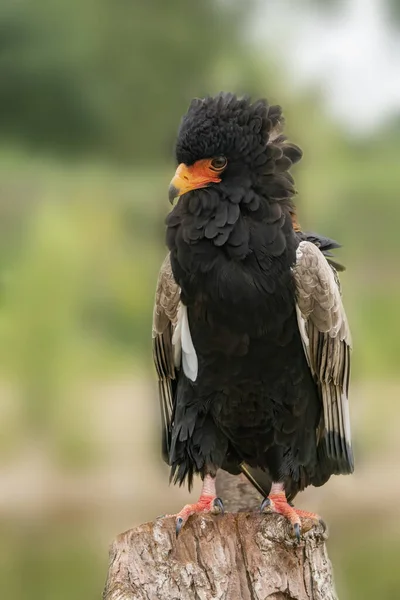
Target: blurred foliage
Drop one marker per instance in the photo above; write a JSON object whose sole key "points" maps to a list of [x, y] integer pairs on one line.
{"points": [[367, 564], [26, 551], [94, 74], [394, 11], [91, 93]]}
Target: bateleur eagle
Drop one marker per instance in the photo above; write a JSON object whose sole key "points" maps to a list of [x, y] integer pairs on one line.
{"points": [[251, 341]]}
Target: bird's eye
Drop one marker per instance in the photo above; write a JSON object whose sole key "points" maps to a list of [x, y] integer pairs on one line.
{"points": [[218, 163]]}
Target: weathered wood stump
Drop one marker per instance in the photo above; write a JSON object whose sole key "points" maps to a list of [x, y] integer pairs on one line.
{"points": [[242, 556]]}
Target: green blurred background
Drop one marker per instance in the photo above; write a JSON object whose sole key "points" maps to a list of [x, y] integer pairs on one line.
{"points": [[91, 93]]}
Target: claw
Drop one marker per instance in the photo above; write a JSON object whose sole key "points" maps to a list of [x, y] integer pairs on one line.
{"points": [[218, 506], [266, 502], [178, 525], [296, 528], [277, 503], [323, 525], [206, 504]]}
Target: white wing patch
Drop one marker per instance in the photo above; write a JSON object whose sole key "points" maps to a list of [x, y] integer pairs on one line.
{"points": [[303, 333], [183, 345]]}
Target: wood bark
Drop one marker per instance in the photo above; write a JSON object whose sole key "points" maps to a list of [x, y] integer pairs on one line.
{"points": [[242, 556]]}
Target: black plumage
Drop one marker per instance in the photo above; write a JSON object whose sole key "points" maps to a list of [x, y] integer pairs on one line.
{"points": [[268, 392]]}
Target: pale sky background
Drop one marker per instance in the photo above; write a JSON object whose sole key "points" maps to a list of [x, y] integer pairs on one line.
{"points": [[351, 53]]}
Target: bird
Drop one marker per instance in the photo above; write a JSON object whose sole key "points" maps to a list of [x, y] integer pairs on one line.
{"points": [[251, 341]]}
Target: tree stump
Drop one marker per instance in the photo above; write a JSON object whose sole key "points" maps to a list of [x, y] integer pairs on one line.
{"points": [[242, 556]]}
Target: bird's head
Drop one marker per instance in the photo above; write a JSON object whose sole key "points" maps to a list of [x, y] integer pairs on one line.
{"points": [[227, 143]]}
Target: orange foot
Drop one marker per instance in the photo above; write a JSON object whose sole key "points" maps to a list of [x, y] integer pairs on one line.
{"points": [[277, 503], [206, 504]]}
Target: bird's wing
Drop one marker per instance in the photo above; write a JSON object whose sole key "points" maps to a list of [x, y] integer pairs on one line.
{"points": [[166, 354], [325, 244], [172, 346], [326, 339]]}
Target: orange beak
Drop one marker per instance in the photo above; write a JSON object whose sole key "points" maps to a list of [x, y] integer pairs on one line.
{"points": [[198, 175]]}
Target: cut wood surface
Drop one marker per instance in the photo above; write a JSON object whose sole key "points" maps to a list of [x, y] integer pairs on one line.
{"points": [[236, 556]]}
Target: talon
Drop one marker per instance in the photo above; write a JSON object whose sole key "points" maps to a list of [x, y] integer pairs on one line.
{"points": [[265, 503], [218, 506], [296, 528], [178, 525], [208, 503]]}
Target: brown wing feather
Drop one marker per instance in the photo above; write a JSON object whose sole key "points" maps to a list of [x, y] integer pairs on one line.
{"points": [[165, 317], [326, 338]]}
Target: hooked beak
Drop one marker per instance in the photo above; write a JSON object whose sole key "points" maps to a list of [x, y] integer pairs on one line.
{"points": [[173, 192], [190, 178]]}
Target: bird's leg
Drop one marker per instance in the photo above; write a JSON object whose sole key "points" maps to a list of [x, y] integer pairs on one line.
{"points": [[277, 502], [208, 502]]}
